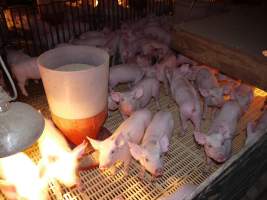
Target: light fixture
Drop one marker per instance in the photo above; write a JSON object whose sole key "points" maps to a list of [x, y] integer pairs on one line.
{"points": [[20, 124]]}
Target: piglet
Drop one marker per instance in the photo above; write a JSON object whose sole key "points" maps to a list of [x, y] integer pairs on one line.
{"points": [[210, 89], [58, 160], [25, 70], [256, 130], [138, 97], [125, 73], [227, 83], [20, 178], [168, 62], [155, 142], [181, 59], [187, 99], [244, 95], [115, 148], [182, 193], [16, 56], [218, 141]]}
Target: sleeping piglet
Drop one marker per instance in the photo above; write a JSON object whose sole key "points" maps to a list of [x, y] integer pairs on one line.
{"points": [[115, 148], [218, 141], [256, 130], [138, 97], [155, 142], [125, 73], [187, 99]]}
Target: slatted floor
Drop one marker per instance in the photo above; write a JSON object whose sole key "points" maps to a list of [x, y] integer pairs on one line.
{"points": [[184, 163]]}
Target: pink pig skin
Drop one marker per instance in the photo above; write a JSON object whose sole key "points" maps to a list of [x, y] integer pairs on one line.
{"points": [[244, 95], [209, 88], [159, 33], [168, 62], [218, 141], [155, 142], [257, 129], [28, 69], [59, 161], [187, 99], [182, 193], [115, 148], [138, 97], [125, 73]]}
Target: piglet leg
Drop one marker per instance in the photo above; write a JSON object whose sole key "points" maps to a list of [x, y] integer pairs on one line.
{"points": [[183, 124], [141, 173]]}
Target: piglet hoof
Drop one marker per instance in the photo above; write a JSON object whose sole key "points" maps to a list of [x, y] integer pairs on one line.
{"points": [[182, 134]]}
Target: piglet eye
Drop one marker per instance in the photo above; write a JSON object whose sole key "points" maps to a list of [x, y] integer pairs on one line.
{"points": [[112, 152], [222, 143], [209, 145], [146, 159]]}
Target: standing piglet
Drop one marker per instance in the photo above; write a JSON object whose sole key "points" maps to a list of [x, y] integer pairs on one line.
{"points": [[115, 148], [256, 130], [155, 142], [138, 97], [168, 62], [218, 141], [125, 73], [58, 160], [20, 178], [24, 71], [23, 68], [244, 95], [209, 88], [187, 99]]}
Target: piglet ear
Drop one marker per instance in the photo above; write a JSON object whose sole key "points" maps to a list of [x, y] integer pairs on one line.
{"points": [[95, 144], [115, 96], [139, 93], [204, 92], [164, 144], [79, 150], [200, 137], [135, 150], [120, 140]]}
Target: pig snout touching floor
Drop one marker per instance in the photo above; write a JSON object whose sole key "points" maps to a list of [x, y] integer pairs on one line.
{"points": [[182, 193], [115, 148], [218, 141], [187, 99], [257, 129], [154, 144], [125, 73], [138, 97]]}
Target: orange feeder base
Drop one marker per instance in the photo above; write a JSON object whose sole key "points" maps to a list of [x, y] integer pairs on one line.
{"points": [[76, 130]]}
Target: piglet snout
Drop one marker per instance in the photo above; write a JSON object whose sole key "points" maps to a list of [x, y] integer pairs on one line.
{"points": [[158, 172]]}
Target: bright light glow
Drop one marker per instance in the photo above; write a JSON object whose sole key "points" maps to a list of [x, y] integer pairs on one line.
{"points": [[96, 3], [20, 171], [259, 92]]}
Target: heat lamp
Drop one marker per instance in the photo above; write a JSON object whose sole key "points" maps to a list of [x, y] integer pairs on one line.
{"points": [[20, 124]]}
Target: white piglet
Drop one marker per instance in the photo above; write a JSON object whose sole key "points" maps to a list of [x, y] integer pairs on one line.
{"points": [[187, 99], [218, 141], [155, 142], [125, 73], [20, 178], [138, 97], [210, 89], [115, 148], [59, 161]]}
